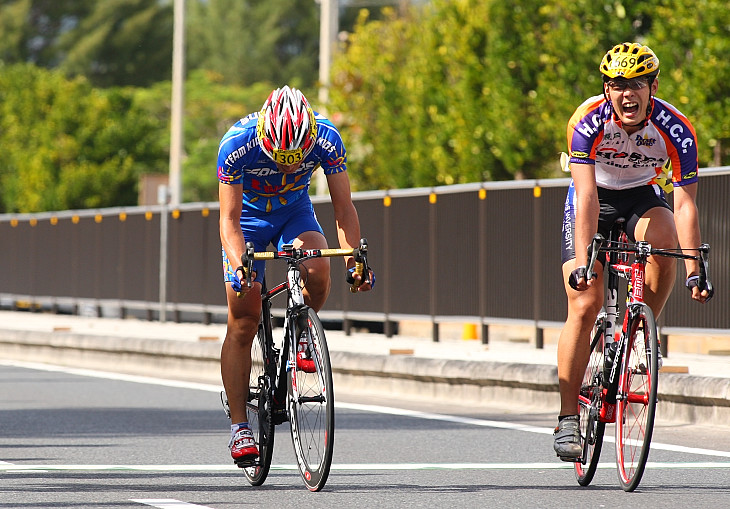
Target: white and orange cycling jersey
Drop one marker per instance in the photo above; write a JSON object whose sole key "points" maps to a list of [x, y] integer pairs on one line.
{"points": [[625, 161]]}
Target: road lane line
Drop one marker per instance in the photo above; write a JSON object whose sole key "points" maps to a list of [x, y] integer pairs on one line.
{"points": [[94, 469], [347, 406], [167, 503], [512, 426]]}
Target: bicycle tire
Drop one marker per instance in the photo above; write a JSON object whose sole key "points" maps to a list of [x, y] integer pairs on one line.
{"points": [[312, 408], [636, 405], [258, 407], [592, 428]]}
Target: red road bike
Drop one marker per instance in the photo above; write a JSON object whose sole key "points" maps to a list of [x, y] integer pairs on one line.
{"points": [[620, 382]]}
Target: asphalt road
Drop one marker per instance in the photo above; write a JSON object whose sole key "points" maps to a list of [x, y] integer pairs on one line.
{"points": [[71, 438]]}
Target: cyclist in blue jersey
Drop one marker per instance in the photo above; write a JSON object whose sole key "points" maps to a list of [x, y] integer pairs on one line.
{"points": [[265, 164], [619, 143]]}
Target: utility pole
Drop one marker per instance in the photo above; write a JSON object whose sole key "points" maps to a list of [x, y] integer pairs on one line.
{"points": [[178, 98], [170, 195], [328, 28]]}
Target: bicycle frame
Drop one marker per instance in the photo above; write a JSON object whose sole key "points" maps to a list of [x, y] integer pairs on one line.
{"points": [[623, 390], [295, 303], [635, 274], [293, 381]]}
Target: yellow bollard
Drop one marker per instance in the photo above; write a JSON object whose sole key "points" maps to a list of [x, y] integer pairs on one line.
{"points": [[469, 331]]}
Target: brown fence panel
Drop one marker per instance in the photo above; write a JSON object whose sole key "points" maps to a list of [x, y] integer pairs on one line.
{"points": [[455, 235], [714, 208], [487, 250], [552, 301], [195, 273], [139, 278], [407, 278], [16, 276], [508, 262]]}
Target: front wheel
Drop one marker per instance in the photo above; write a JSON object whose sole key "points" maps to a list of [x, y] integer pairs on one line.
{"points": [[259, 407], [590, 401], [312, 405], [637, 397]]}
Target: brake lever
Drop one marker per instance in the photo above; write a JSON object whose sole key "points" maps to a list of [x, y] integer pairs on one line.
{"points": [[361, 264], [704, 280], [593, 250], [247, 263]]}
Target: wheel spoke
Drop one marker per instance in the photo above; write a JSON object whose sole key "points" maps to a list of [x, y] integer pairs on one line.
{"points": [[591, 428], [637, 404], [311, 408]]}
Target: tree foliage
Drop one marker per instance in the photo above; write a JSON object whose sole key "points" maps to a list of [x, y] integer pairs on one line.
{"points": [[468, 90], [252, 41], [30, 29], [121, 42], [443, 92], [67, 145]]}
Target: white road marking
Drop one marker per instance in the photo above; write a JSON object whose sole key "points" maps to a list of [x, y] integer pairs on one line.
{"points": [[167, 503], [514, 426], [348, 406], [7, 468]]}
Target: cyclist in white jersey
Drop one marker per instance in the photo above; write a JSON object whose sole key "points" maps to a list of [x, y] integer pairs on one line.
{"points": [[619, 143]]}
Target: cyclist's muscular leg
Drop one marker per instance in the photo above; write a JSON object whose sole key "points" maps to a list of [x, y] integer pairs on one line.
{"points": [[574, 343], [657, 227], [317, 278], [243, 319]]}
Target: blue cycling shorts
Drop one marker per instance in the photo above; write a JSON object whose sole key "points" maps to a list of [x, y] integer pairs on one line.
{"points": [[278, 227]]}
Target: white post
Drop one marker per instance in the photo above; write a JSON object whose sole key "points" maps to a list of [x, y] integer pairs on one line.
{"points": [[328, 27], [163, 196], [178, 97]]}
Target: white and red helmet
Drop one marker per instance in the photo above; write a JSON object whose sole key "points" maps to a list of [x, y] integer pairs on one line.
{"points": [[286, 128]]}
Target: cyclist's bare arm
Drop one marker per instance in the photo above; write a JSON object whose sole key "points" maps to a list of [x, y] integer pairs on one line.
{"points": [[230, 196], [686, 219], [586, 216], [346, 219]]}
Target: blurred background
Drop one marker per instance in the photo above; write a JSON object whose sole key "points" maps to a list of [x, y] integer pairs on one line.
{"points": [[426, 93]]}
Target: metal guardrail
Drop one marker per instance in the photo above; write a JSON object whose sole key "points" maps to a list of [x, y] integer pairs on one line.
{"points": [[483, 253]]}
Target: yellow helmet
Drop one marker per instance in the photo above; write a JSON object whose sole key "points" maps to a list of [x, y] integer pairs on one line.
{"points": [[630, 60]]}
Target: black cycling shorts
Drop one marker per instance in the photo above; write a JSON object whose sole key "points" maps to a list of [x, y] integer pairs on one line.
{"points": [[630, 204]]}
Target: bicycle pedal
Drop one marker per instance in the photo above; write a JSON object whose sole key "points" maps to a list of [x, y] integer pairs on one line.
{"points": [[247, 463], [571, 460]]}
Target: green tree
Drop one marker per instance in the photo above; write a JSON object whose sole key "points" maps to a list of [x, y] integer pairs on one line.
{"points": [[468, 90], [121, 42], [66, 145], [29, 29], [691, 41], [250, 41]]}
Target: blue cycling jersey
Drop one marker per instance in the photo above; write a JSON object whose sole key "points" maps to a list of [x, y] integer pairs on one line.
{"points": [[265, 188]]}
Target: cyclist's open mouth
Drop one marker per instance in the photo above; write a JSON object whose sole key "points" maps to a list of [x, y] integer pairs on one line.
{"points": [[630, 108]]}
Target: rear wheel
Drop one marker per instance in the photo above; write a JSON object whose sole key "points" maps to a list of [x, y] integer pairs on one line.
{"points": [[589, 401], [636, 405], [258, 408], [312, 408]]}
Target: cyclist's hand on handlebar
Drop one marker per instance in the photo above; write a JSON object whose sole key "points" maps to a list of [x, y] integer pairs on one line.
{"points": [[578, 280], [356, 280], [699, 294], [238, 283]]}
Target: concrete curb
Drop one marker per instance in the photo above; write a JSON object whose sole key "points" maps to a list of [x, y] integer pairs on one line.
{"points": [[533, 387]]}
